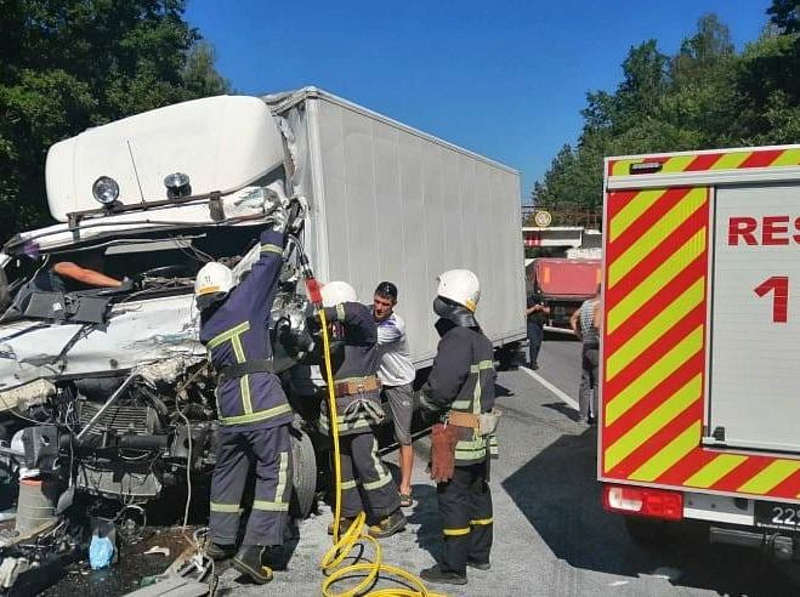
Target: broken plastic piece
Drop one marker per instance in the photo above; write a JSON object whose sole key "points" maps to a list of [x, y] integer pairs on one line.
{"points": [[156, 550], [101, 552]]}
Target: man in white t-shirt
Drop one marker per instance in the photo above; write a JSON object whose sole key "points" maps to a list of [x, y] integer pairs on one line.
{"points": [[397, 374]]}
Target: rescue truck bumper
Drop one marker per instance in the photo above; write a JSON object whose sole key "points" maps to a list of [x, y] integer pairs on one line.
{"points": [[766, 525]]}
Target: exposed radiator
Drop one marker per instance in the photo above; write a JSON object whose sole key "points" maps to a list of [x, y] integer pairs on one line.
{"points": [[122, 419]]}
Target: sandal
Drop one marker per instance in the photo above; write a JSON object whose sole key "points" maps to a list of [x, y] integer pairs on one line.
{"points": [[406, 501]]}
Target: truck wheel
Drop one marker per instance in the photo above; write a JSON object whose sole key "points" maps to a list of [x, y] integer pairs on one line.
{"points": [[646, 531], [304, 474], [5, 297], [508, 357]]}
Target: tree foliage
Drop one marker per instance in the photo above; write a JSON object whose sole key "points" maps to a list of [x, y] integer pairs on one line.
{"points": [[71, 64], [706, 95]]}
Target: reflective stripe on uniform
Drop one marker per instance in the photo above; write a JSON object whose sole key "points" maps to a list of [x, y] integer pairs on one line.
{"points": [[256, 416], [271, 249], [229, 508], [228, 334], [340, 314], [465, 456], [456, 532], [481, 522], [377, 484], [283, 467], [483, 365], [234, 336], [349, 484], [270, 506], [384, 476], [244, 388]]}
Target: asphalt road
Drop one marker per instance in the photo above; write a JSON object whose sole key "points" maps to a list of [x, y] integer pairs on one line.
{"points": [[551, 535]]}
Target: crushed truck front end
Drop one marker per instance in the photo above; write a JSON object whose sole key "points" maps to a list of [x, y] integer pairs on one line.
{"points": [[697, 415]]}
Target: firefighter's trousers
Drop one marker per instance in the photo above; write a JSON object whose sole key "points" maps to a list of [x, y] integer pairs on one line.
{"points": [[364, 474], [465, 507], [266, 453]]}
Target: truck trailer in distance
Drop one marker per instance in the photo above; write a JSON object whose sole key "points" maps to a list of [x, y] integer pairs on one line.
{"points": [[563, 284]]}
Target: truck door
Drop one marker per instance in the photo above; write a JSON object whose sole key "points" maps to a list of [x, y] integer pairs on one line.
{"points": [[754, 385]]}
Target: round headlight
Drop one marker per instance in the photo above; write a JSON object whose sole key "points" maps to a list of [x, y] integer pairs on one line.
{"points": [[178, 185], [106, 190]]}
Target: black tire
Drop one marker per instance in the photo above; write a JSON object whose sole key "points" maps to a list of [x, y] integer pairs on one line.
{"points": [[304, 474], [508, 357], [5, 297], [646, 531]]}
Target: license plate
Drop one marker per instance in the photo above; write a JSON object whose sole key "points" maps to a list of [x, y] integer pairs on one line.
{"points": [[774, 515]]}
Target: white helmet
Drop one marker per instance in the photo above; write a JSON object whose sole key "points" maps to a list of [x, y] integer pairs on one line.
{"points": [[460, 286], [334, 293], [213, 283]]}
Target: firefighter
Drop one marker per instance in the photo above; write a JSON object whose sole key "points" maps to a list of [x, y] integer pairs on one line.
{"points": [[459, 393], [254, 413], [359, 408]]}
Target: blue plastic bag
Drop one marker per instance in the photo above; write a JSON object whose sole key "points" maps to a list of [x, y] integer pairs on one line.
{"points": [[101, 552]]}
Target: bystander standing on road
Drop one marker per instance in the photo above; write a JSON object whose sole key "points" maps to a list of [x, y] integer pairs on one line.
{"points": [[397, 374], [536, 313], [586, 323]]}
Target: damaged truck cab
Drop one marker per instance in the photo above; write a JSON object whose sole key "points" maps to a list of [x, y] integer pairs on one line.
{"points": [[112, 373]]}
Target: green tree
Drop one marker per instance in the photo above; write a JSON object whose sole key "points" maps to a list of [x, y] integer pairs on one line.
{"points": [[71, 64], [706, 95]]}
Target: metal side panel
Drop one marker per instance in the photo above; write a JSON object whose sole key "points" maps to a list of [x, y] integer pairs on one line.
{"points": [[399, 207], [753, 395]]}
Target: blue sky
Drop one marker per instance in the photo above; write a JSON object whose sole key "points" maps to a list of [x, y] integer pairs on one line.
{"points": [[504, 79]]}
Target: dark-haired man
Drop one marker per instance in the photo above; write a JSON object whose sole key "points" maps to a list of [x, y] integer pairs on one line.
{"points": [[397, 374]]}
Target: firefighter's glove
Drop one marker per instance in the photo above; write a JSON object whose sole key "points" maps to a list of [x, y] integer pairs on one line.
{"points": [[443, 452], [313, 323], [278, 218]]}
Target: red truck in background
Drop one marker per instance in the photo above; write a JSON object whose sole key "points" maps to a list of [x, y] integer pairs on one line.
{"points": [[564, 284]]}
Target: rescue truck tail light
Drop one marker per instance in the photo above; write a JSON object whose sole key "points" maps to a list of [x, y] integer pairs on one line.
{"points": [[641, 501]]}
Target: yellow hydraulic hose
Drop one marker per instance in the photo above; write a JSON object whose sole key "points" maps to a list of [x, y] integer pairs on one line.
{"points": [[342, 546]]}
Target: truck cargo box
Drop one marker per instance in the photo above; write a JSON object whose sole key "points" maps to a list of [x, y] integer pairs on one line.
{"points": [[393, 203]]}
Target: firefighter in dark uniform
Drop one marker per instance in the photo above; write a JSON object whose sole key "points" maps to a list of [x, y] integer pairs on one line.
{"points": [[253, 410], [359, 408], [459, 393]]}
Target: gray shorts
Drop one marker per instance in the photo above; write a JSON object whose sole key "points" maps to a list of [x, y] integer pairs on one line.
{"points": [[401, 401]]}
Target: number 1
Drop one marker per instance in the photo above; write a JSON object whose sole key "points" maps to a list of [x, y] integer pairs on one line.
{"points": [[780, 299]]}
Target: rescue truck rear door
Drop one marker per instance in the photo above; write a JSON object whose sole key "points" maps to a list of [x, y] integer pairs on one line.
{"points": [[754, 340]]}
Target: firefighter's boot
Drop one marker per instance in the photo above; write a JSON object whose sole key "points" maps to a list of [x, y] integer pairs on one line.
{"points": [[436, 575], [344, 524], [386, 527], [249, 562], [217, 552]]}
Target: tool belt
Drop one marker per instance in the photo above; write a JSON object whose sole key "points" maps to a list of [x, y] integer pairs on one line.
{"points": [[356, 385], [483, 424], [247, 368]]}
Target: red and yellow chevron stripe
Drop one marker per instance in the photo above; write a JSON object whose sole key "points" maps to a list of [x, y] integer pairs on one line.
{"points": [[723, 160], [654, 352]]}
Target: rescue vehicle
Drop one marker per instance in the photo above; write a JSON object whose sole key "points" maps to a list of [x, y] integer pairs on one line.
{"points": [[699, 403]]}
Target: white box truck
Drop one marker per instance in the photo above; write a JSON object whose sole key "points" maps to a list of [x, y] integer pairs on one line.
{"points": [[152, 197], [701, 342]]}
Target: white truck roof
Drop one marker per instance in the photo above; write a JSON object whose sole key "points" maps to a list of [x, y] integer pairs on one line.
{"points": [[222, 143]]}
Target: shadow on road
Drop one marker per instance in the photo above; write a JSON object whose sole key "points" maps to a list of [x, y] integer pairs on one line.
{"points": [[565, 410], [563, 504], [426, 514]]}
